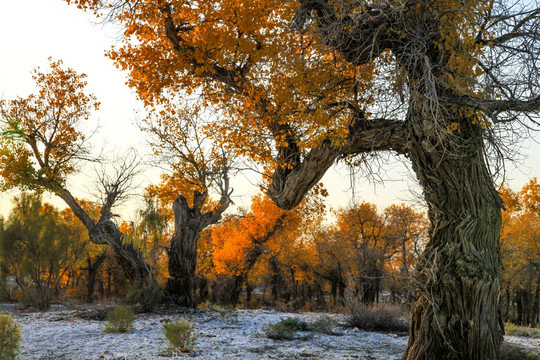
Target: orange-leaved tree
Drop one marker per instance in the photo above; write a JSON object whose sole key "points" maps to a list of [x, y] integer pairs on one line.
{"points": [[520, 248], [241, 241], [303, 83], [42, 144], [364, 231], [407, 228]]}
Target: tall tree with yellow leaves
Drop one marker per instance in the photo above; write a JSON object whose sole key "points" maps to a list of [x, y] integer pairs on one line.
{"points": [[306, 82]]}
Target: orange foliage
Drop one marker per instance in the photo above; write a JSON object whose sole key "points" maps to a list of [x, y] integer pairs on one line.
{"points": [[40, 136], [520, 236], [237, 243], [243, 58]]}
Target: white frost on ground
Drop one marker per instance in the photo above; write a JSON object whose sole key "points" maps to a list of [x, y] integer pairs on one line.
{"points": [[62, 334]]}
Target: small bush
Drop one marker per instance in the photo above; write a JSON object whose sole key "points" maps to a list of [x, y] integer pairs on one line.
{"points": [[180, 334], [119, 320], [515, 330], [278, 331], [384, 318], [148, 297], [296, 324], [515, 352], [325, 325], [228, 315], [10, 337], [285, 329]]}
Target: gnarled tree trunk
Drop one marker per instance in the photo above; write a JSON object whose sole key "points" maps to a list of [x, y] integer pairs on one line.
{"points": [[457, 312], [130, 259], [188, 224], [182, 253]]}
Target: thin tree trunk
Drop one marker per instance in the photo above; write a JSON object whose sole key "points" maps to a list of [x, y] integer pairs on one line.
{"points": [[202, 283], [236, 289], [536, 306], [457, 312], [333, 292], [519, 298], [508, 303], [249, 291], [92, 275]]}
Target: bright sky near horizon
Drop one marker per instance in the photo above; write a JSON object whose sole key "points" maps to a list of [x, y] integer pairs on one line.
{"points": [[34, 30]]}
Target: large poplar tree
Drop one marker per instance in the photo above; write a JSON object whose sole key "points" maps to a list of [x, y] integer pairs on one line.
{"points": [[304, 83]]}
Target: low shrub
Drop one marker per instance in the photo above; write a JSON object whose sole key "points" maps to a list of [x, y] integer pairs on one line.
{"points": [[180, 334], [325, 325], [385, 318], [147, 297], [119, 320], [285, 329], [228, 315], [295, 324], [515, 330], [10, 338], [515, 352]]}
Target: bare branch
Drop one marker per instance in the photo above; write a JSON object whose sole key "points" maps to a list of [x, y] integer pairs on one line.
{"points": [[116, 185]]}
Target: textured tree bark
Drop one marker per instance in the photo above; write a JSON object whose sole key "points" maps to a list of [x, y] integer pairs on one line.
{"points": [[132, 262], [130, 259], [188, 224], [182, 253], [457, 312]]}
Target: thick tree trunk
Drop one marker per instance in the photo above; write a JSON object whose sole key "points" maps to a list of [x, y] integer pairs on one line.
{"points": [[457, 312], [182, 253], [188, 224]]}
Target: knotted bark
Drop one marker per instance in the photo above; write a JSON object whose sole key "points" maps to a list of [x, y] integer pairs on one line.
{"points": [[188, 224]]}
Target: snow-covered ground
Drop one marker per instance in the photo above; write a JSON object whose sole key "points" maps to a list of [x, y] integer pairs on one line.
{"points": [[65, 334]]}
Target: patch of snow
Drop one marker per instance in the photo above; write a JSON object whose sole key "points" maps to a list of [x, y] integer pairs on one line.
{"points": [[62, 334]]}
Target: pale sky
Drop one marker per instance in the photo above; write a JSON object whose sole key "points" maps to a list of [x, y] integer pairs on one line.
{"points": [[33, 30]]}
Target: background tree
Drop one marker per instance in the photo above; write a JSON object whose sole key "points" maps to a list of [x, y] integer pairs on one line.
{"points": [[198, 169], [94, 255], [39, 249], [304, 83], [407, 229], [239, 243], [42, 145], [520, 249], [325, 256], [154, 232], [364, 231]]}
